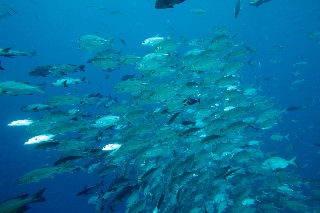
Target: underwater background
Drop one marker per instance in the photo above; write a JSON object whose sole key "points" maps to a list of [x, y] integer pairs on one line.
{"points": [[285, 68]]}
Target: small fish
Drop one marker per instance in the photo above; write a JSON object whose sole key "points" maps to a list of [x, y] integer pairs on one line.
{"points": [[122, 41], [114, 12], [1, 68], [199, 11], [88, 190], [8, 52], [301, 63]]}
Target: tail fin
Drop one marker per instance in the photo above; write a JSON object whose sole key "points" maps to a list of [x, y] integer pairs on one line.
{"points": [[81, 68], [37, 197], [249, 62], [292, 161], [33, 53], [41, 88]]}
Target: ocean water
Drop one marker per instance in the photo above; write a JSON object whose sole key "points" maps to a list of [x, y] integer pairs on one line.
{"points": [[52, 28]]}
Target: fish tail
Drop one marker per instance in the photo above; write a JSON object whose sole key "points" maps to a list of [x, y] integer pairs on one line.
{"points": [[1, 68], [37, 197], [41, 88], [287, 137], [33, 53], [249, 62], [81, 68], [292, 161]]}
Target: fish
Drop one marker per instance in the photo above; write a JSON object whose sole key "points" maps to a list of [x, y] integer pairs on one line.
{"points": [[45, 172], [257, 3], [36, 107], [25, 122], [199, 11], [8, 52], [93, 42], [173, 117], [42, 71], [122, 41], [163, 4], [65, 82], [13, 88], [276, 163], [20, 203], [191, 101], [237, 8], [65, 69], [152, 41], [66, 159], [110, 147], [89, 190], [1, 68], [106, 121], [114, 12], [40, 138]]}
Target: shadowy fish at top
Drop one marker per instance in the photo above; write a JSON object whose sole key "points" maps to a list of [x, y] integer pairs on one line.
{"points": [[163, 4]]}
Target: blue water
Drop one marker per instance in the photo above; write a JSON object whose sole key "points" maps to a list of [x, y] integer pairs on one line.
{"points": [[51, 28]]}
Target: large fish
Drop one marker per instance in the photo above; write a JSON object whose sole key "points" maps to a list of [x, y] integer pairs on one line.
{"points": [[19, 88], [20, 204], [163, 4], [276, 163]]}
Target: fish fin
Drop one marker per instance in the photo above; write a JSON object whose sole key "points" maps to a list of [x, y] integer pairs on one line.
{"points": [[1, 68], [249, 62], [292, 161], [81, 68], [37, 197], [33, 53], [287, 137], [41, 88], [180, 1], [6, 50], [65, 83]]}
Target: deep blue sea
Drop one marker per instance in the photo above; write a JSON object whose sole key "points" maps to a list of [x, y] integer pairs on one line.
{"points": [[52, 28]]}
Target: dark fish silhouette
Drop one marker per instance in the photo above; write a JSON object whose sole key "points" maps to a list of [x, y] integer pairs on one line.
{"points": [[122, 41], [163, 4], [1, 68], [257, 3], [90, 189], [237, 8]]}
